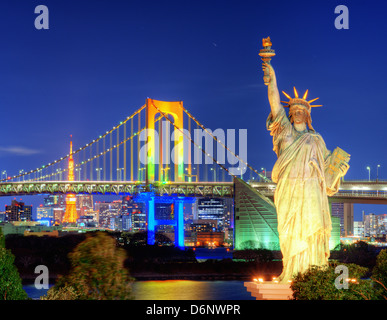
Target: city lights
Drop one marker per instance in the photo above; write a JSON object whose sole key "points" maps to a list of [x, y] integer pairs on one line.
{"points": [[219, 181]]}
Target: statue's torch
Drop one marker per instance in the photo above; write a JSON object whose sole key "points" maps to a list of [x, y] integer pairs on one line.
{"points": [[266, 53]]}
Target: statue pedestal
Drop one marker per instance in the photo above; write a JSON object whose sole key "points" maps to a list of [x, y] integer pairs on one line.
{"points": [[269, 290]]}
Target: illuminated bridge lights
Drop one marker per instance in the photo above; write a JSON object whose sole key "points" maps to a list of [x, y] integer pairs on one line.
{"points": [[186, 189]]}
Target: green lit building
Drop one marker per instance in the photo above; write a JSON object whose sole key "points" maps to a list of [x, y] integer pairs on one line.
{"points": [[256, 220]]}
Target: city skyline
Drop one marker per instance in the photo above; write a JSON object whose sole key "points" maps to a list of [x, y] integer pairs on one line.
{"points": [[97, 64]]}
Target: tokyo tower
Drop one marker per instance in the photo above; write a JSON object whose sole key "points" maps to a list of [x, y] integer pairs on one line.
{"points": [[71, 210]]}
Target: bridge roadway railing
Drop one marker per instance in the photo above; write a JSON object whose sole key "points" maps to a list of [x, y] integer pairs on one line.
{"points": [[188, 189], [348, 189]]}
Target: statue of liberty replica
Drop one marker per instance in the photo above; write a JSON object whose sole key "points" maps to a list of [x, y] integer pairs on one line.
{"points": [[306, 173]]}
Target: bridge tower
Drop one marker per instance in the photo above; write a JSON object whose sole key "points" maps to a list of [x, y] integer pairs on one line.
{"points": [[165, 108], [71, 210], [174, 109]]}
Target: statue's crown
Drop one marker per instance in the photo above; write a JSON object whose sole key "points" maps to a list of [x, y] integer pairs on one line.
{"points": [[299, 101]]}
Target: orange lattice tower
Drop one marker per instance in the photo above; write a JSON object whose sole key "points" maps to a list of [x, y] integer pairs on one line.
{"points": [[71, 209]]}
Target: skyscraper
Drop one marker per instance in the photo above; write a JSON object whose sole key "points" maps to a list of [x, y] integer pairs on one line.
{"points": [[58, 203], [374, 225], [135, 214], [108, 211], [211, 209], [18, 211], [344, 211], [84, 204]]}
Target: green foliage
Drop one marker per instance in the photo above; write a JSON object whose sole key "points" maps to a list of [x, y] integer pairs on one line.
{"points": [[97, 271], [379, 274], [318, 283], [61, 293], [251, 244], [11, 287]]}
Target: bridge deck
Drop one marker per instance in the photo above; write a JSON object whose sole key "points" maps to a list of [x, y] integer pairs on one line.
{"points": [[189, 189], [350, 191]]}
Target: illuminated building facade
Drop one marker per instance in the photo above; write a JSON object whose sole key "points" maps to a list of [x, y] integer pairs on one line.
{"points": [[198, 227], [86, 222], [371, 225], [344, 211], [84, 204], [212, 209], [358, 229], [334, 240], [43, 212], [108, 211], [121, 223], [255, 219], [133, 215], [138, 221], [210, 239], [58, 203], [18, 211]]}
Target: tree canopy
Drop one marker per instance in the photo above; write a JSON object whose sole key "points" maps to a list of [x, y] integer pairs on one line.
{"points": [[97, 272]]}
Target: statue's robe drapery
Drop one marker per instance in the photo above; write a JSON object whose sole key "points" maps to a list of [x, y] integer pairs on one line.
{"points": [[304, 222]]}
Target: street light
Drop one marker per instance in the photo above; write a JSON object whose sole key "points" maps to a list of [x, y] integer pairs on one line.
{"points": [[21, 174], [214, 169], [59, 171], [140, 171], [79, 173], [377, 172], [241, 174], [369, 173], [119, 174], [98, 173]]}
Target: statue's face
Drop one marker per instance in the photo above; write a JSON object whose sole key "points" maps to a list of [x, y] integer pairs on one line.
{"points": [[299, 114]]}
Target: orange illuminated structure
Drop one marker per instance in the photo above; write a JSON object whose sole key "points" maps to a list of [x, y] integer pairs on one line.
{"points": [[210, 239], [165, 108], [71, 210]]}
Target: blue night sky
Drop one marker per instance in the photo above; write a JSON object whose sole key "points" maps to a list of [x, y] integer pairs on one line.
{"points": [[100, 60]]}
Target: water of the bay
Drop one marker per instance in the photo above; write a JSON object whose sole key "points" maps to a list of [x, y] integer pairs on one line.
{"points": [[176, 290]]}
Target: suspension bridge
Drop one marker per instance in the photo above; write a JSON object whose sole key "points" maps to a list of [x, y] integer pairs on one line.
{"points": [[161, 142], [162, 153]]}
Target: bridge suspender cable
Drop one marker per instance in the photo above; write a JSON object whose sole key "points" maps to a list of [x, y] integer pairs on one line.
{"points": [[75, 152], [189, 138], [38, 172], [100, 154], [223, 145]]}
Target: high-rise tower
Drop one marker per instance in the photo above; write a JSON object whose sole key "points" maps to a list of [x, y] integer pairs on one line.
{"points": [[71, 209]]}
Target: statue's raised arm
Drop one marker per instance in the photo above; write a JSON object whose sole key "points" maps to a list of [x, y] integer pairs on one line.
{"points": [[269, 76], [272, 89]]}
